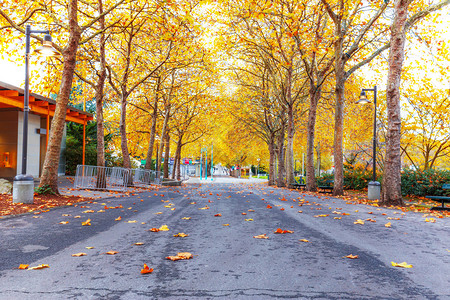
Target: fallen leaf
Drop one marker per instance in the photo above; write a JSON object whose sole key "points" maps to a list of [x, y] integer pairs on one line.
{"points": [[146, 270], [206, 207], [282, 208], [139, 244], [281, 231], [431, 220], [337, 218], [39, 267], [387, 225], [88, 211], [118, 219], [86, 223], [251, 210], [154, 229], [164, 228], [111, 252], [64, 222], [79, 254], [77, 217], [100, 211], [361, 222], [186, 218], [300, 211], [180, 256], [217, 215], [320, 216], [268, 206], [158, 213], [401, 265], [23, 267], [65, 215], [243, 213], [134, 221], [261, 236], [89, 248], [304, 240], [181, 234], [351, 256], [248, 220], [225, 224]]}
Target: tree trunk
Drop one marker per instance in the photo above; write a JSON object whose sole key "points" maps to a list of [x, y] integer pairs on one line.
{"points": [[339, 120], [166, 155], [271, 163], [314, 96], [163, 133], [123, 132], [392, 193], [178, 158], [50, 168], [101, 178], [281, 167], [290, 132], [148, 162]]}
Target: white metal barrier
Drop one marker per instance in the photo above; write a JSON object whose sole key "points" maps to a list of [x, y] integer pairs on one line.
{"points": [[113, 179]]}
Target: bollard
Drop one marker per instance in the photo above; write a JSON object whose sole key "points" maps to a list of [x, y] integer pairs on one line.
{"points": [[23, 189], [374, 190]]}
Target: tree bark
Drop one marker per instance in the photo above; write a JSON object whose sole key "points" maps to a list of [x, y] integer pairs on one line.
{"points": [[123, 132], [271, 162], [391, 192], [50, 168], [280, 154], [148, 162], [290, 131], [163, 133], [99, 88], [314, 96], [166, 155]]}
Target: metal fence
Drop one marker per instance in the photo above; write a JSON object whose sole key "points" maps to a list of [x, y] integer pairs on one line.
{"points": [[113, 179]]}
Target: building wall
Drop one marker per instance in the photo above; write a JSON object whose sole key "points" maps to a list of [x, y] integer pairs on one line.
{"points": [[8, 143], [34, 145]]}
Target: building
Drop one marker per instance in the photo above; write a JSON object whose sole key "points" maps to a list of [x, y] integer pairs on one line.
{"points": [[39, 121]]}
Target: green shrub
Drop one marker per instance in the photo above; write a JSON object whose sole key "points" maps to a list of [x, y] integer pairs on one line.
{"points": [[43, 190], [422, 183], [357, 177], [324, 179]]}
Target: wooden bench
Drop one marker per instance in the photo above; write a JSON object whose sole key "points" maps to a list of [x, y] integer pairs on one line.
{"points": [[299, 184], [443, 199], [328, 187]]}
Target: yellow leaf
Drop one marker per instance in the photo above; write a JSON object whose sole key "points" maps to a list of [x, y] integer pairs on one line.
{"points": [[89, 248], [23, 267], [158, 213], [164, 228], [186, 218], [118, 219], [401, 265], [248, 220], [225, 224], [39, 267], [79, 254], [139, 244], [181, 234], [88, 211], [112, 252], [351, 256], [304, 240], [64, 222], [134, 221], [86, 223], [361, 222], [261, 236], [387, 225]]}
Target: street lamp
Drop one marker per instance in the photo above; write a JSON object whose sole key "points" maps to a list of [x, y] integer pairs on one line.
{"points": [[374, 186], [23, 185]]}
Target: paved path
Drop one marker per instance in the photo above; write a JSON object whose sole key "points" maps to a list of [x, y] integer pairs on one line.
{"points": [[228, 262]]}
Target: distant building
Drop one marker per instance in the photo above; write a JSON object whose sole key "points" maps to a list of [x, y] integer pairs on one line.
{"points": [[39, 122]]}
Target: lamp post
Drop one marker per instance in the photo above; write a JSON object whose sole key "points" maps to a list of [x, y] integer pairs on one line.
{"points": [[23, 185], [374, 187]]}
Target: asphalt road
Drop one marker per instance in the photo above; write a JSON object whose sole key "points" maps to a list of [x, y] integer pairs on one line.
{"points": [[228, 262]]}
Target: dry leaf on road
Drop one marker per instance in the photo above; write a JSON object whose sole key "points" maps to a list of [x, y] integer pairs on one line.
{"points": [[146, 270], [261, 236]]}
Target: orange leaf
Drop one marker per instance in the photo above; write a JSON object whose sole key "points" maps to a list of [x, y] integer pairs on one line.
{"points": [[282, 208], [304, 240], [243, 213], [181, 234], [79, 254], [268, 206], [361, 222], [217, 215], [39, 267], [119, 218], [387, 225], [351, 256], [23, 267], [112, 252], [225, 224], [154, 229], [281, 231], [146, 270], [64, 222]]}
